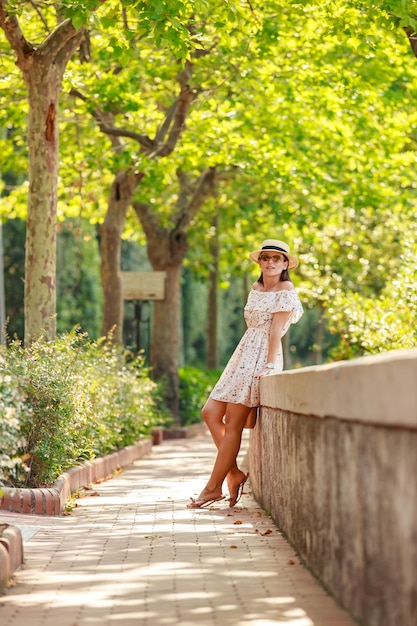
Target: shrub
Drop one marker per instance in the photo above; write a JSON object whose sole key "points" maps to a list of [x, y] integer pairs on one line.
{"points": [[81, 399], [195, 386], [12, 410]]}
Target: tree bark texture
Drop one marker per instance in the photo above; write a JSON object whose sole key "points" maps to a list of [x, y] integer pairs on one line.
{"points": [[166, 251], [120, 198], [42, 67], [43, 145], [165, 339]]}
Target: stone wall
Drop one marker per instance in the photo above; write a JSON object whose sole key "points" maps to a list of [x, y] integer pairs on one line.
{"points": [[334, 459]]}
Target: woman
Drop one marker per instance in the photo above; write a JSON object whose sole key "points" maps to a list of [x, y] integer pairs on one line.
{"points": [[273, 304]]}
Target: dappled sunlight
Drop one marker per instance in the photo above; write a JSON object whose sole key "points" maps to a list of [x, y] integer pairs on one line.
{"points": [[132, 553]]}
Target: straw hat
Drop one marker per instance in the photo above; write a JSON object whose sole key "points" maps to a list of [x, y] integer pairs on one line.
{"points": [[274, 245]]}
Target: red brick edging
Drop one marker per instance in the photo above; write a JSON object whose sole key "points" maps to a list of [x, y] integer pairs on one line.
{"points": [[11, 553], [52, 500]]}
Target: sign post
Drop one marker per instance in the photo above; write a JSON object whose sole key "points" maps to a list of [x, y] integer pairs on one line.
{"points": [[141, 287]]}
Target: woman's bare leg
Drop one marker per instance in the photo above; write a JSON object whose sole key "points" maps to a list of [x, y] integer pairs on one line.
{"points": [[228, 448], [213, 413]]}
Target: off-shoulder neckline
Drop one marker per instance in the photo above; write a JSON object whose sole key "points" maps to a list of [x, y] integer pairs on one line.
{"points": [[253, 290]]}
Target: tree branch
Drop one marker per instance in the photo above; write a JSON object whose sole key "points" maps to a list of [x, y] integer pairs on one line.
{"points": [[146, 143], [205, 186], [10, 25], [70, 47], [105, 123], [164, 128], [178, 115], [181, 111], [125, 20], [148, 220], [102, 120], [412, 38], [186, 188], [173, 124], [57, 41], [40, 14], [57, 47]]}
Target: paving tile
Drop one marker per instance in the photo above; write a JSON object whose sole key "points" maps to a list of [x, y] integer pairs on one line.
{"points": [[134, 555]]}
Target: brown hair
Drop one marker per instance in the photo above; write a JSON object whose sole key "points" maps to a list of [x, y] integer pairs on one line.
{"points": [[285, 275]]}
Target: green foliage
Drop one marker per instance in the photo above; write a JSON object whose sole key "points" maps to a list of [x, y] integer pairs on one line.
{"points": [[310, 342], [306, 108], [368, 324], [81, 399], [79, 291], [13, 410], [195, 386], [14, 231]]}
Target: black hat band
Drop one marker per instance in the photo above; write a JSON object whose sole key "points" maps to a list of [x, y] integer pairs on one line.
{"points": [[274, 248]]}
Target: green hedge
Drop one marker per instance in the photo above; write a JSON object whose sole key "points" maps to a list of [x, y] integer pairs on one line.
{"points": [[195, 386], [67, 401]]}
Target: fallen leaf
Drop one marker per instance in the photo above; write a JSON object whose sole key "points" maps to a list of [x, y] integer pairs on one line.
{"points": [[153, 536], [238, 521], [268, 531], [233, 546], [290, 562]]}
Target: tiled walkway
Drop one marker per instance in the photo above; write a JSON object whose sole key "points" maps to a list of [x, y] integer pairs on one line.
{"points": [[132, 554]]}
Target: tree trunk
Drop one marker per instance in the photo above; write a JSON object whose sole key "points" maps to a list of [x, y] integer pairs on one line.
{"points": [[165, 339], [40, 264], [42, 68], [120, 198], [167, 247], [212, 352], [166, 251]]}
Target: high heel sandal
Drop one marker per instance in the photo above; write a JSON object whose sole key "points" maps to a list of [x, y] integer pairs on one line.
{"points": [[201, 503], [239, 491]]}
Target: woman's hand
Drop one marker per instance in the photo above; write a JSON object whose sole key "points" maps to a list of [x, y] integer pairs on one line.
{"points": [[264, 372]]}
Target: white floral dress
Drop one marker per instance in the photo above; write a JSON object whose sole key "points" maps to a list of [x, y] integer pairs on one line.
{"points": [[237, 383]]}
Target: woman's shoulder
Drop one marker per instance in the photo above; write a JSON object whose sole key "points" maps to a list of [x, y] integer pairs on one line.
{"points": [[285, 285]]}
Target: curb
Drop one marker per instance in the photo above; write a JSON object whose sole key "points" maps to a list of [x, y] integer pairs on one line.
{"points": [[11, 552], [52, 500]]}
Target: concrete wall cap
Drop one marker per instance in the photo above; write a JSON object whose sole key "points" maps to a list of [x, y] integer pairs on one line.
{"points": [[378, 389]]}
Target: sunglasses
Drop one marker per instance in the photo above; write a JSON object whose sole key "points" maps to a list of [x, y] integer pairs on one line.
{"points": [[276, 258]]}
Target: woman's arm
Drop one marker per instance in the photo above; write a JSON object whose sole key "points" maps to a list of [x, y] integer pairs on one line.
{"points": [[278, 322]]}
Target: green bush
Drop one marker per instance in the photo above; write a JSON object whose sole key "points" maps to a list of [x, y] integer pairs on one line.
{"points": [[195, 386], [12, 410], [369, 323], [78, 399]]}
